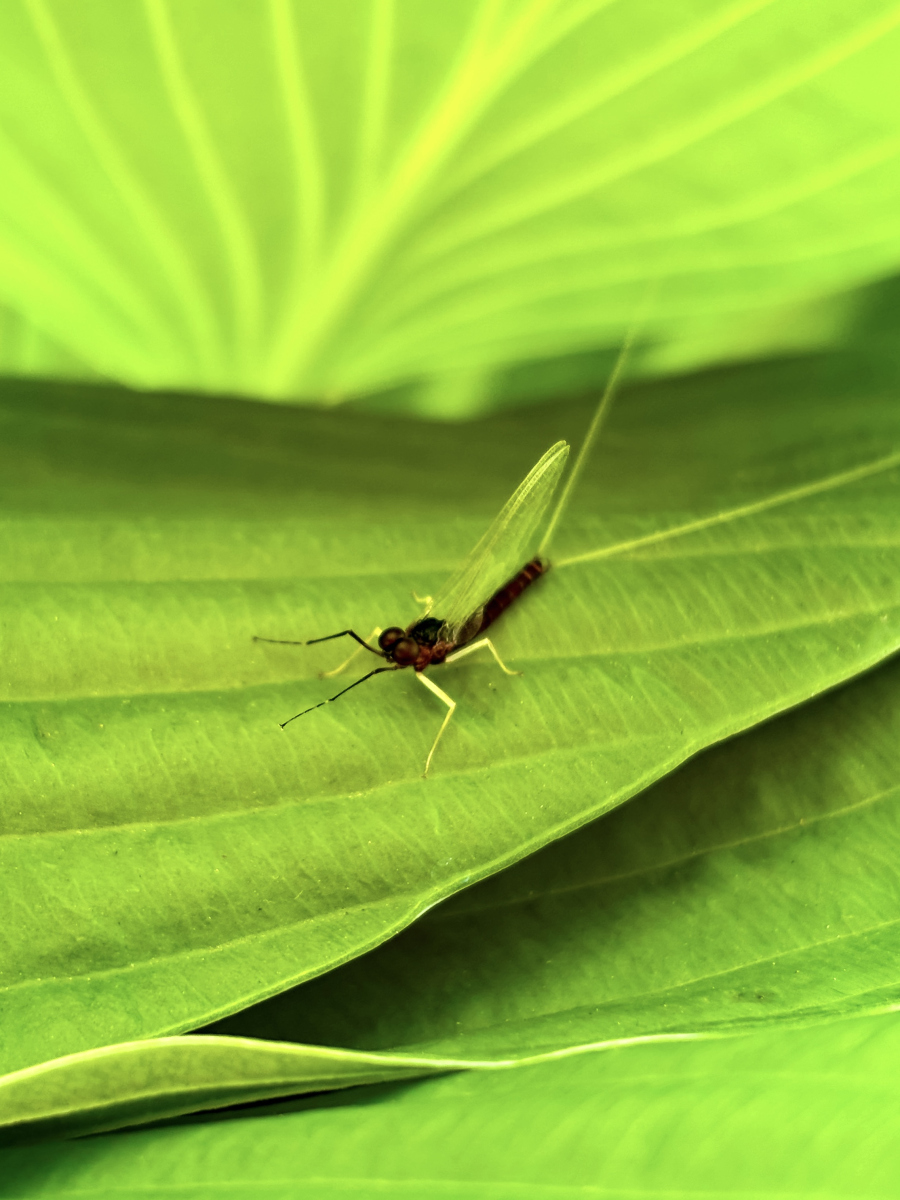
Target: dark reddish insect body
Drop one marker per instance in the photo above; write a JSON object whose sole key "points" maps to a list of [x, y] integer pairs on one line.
{"points": [[420, 645]]}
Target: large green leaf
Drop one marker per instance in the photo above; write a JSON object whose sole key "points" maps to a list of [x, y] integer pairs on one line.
{"points": [[297, 199], [807, 1113], [172, 856], [754, 886]]}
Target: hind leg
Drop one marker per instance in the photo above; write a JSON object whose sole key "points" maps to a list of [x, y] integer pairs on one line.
{"points": [[458, 654]]}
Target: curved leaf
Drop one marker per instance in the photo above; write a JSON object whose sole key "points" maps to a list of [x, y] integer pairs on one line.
{"points": [[805, 1113], [755, 886], [173, 856], [137, 1082]]}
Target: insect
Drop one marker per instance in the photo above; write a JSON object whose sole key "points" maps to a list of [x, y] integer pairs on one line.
{"points": [[484, 586]]}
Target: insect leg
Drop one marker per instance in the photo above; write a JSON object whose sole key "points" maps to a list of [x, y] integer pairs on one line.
{"points": [[457, 654], [427, 601], [451, 705], [347, 661]]}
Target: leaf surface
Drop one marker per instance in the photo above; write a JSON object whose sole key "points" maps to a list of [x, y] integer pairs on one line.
{"points": [[800, 1113], [173, 856], [753, 887]]}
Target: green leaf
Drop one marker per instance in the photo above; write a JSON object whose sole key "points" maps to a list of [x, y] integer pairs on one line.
{"points": [[173, 856], [755, 886], [137, 1082], [800, 1113], [291, 200]]}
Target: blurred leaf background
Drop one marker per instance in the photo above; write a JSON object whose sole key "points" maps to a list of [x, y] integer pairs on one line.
{"points": [[268, 199], [221, 218]]}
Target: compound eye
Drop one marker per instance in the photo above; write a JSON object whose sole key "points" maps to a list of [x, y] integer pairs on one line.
{"points": [[391, 637], [405, 652]]}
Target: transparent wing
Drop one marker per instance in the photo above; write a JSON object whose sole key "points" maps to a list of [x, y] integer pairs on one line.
{"points": [[504, 549]]}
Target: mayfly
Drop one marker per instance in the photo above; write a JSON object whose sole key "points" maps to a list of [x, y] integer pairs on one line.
{"points": [[484, 586]]}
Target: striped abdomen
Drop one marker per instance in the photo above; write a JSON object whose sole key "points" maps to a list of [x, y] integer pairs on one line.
{"points": [[503, 597]]}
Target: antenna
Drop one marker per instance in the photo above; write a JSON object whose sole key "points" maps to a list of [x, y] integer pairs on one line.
{"points": [[377, 671]]}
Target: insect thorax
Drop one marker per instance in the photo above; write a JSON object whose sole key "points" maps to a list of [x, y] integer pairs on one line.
{"points": [[426, 631]]}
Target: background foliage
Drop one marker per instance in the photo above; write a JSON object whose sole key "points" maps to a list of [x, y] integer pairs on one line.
{"points": [[289, 202], [449, 211]]}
